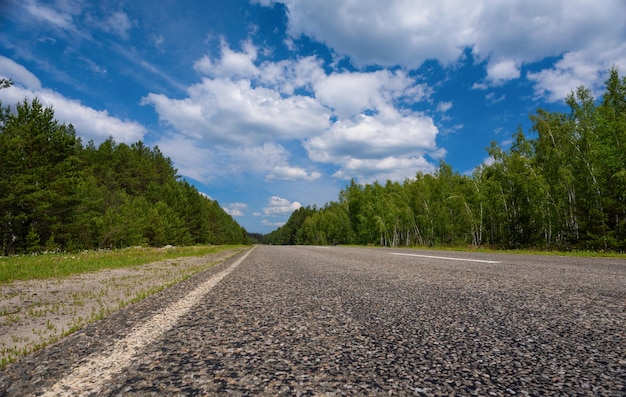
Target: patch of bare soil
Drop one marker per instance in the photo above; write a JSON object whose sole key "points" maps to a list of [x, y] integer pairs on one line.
{"points": [[38, 312]]}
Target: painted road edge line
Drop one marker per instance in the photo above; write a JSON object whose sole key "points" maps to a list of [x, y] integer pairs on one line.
{"points": [[447, 258], [90, 375]]}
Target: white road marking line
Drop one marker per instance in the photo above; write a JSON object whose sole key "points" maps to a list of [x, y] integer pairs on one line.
{"points": [[446, 258], [97, 370]]}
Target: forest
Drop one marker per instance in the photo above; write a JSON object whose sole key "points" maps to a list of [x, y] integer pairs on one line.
{"points": [[58, 194], [562, 187]]}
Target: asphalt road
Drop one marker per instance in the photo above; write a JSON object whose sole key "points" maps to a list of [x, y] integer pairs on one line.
{"points": [[349, 321]]}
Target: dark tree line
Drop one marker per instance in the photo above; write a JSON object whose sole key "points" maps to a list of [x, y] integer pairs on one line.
{"points": [[562, 187], [56, 193]]}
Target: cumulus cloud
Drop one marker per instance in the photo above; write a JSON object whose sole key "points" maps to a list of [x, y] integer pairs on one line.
{"points": [[587, 68], [507, 34], [236, 112], [280, 206], [247, 108], [284, 76], [389, 33], [235, 209], [408, 32], [389, 168], [203, 163], [370, 136], [444, 106], [90, 124], [287, 76], [286, 172], [499, 72], [350, 93], [192, 160], [231, 63], [389, 147], [270, 160]]}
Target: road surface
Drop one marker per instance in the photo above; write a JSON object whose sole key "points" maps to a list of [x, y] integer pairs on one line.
{"points": [[355, 321]]}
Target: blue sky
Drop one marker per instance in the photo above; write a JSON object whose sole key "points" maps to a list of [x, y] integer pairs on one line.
{"points": [[268, 105]]}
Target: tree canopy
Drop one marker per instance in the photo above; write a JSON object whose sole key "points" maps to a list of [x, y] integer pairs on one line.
{"points": [[56, 193], [563, 187]]}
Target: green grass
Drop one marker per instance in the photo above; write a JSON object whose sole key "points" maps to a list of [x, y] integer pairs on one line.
{"points": [[491, 250], [59, 265], [523, 251]]}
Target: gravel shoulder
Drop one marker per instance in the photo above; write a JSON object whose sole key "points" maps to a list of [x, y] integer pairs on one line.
{"points": [[38, 312]]}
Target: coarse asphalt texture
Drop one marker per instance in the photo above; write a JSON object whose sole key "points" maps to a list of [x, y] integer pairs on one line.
{"points": [[337, 321]]}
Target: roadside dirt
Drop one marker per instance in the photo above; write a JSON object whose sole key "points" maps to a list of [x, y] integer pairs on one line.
{"points": [[38, 312]]}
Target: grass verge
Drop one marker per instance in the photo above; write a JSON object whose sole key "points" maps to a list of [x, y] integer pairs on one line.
{"points": [[55, 265], [522, 251]]}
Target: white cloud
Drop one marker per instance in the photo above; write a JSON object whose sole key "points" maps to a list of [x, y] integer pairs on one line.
{"points": [[371, 136], [90, 124], [18, 74], [280, 206], [370, 130], [351, 93], [206, 196], [587, 68], [284, 76], [389, 168], [248, 109], [260, 159], [231, 63], [158, 40], [117, 23], [235, 209], [155, 76], [480, 86], [371, 141], [190, 158], [488, 161], [94, 67], [270, 160], [508, 34], [385, 33], [202, 162], [287, 76], [265, 222], [408, 32], [499, 72], [444, 106], [233, 212], [46, 14], [492, 99], [225, 111], [286, 172]]}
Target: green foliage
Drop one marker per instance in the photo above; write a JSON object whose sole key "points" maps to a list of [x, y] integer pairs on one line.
{"points": [[563, 189], [288, 233], [4, 83], [56, 194]]}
